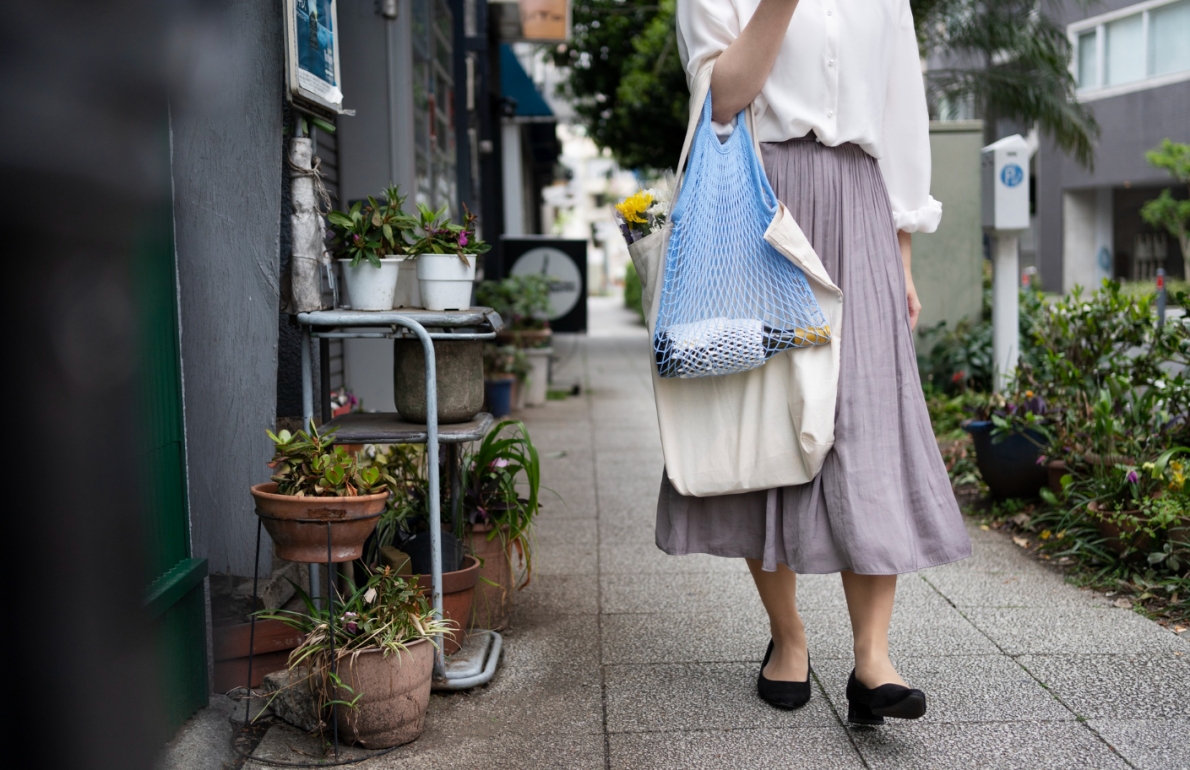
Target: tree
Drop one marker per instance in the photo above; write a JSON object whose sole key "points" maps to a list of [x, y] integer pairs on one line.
{"points": [[1012, 61], [629, 88], [1165, 211], [626, 79]]}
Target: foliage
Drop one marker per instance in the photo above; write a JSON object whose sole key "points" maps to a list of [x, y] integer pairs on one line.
{"points": [[523, 301], [385, 613], [436, 234], [371, 231], [501, 482], [626, 79], [309, 465], [633, 291], [505, 359], [403, 468], [1012, 61], [1165, 211]]}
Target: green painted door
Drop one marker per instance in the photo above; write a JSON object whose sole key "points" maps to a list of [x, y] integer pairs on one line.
{"points": [[175, 598]]}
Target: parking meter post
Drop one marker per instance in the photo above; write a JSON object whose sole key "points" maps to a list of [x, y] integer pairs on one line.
{"points": [[1005, 215]]}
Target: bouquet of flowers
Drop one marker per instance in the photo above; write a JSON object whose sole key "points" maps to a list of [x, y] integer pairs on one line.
{"points": [[645, 211]]}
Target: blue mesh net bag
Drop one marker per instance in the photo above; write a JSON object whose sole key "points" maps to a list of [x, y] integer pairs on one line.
{"points": [[729, 300]]}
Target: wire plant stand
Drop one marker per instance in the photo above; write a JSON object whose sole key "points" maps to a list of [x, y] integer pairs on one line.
{"points": [[476, 324]]}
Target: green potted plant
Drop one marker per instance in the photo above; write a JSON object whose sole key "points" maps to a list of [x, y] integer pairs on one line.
{"points": [[369, 241], [503, 368], [523, 301], [501, 482], [383, 658], [315, 481], [447, 255]]}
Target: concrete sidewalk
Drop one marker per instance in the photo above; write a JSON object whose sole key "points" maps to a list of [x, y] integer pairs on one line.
{"points": [[622, 657]]}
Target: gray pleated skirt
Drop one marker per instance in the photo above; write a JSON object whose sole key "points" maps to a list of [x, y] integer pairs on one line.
{"points": [[882, 504]]}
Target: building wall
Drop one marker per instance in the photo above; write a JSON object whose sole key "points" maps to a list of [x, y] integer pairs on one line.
{"points": [[227, 208], [948, 264]]}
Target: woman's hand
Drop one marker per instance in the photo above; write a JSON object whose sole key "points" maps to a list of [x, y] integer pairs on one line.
{"points": [[743, 67], [905, 241]]}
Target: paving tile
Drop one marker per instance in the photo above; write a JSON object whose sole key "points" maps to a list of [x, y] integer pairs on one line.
{"points": [[557, 594], [1021, 588], [715, 594], [932, 630], [567, 642], [1148, 744], [503, 752], [1116, 686], [524, 701], [637, 557], [826, 591], [976, 688], [696, 637], [1066, 630], [702, 696], [565, 547], [822, 748], [994, 746]]}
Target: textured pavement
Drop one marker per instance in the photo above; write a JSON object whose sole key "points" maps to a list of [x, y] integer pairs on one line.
{"points": [[620, 656]]}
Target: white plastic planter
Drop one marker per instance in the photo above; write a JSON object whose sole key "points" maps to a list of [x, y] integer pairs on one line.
{"points": [[445, 280], [537, 387], [368, 287], [408, 293]]}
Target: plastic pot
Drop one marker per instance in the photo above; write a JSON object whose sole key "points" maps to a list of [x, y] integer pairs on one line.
{"points": [[459, 367], [1009, 467], [371, 288], [446, 280], [298, 525], [539, 378], [498, 394], [408, 291], [394, 694], [458, 596]]}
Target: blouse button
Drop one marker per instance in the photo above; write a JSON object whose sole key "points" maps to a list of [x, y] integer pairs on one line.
{"points": [[830, 63], [830, 113], [829, 11]]}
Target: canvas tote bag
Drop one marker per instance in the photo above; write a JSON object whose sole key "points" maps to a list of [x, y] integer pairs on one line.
{"points": [[768, 427]]}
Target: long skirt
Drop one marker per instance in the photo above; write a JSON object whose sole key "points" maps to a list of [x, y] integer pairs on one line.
{"points": [[882, 503]]}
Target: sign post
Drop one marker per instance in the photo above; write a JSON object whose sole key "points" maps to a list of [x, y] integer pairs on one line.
{"points": [[1005, 205]]}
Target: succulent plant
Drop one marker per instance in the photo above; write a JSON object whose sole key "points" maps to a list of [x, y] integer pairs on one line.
{"points": [[308, 464]]}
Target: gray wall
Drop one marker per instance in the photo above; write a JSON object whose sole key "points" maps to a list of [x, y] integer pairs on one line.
{"points": [[948, 264], [227, 206]]}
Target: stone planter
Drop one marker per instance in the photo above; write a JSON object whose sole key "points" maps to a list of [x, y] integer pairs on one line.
{"points": [[493, 593], [459, 366], [1116, 537], [1009, 467], [395, 692], [458, 597], [351, 519]]}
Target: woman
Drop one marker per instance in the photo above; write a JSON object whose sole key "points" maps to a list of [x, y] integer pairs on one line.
{"points": [[844, 138]]}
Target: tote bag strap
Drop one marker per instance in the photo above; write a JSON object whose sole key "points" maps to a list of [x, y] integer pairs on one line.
{"points": [[698, 96]]}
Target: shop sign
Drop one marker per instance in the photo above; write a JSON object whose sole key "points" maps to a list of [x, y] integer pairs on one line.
{"points": [[312, 52]]}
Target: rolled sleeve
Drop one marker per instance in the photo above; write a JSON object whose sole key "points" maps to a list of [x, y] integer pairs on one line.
{"points": [[905, 139], [705, 29]]}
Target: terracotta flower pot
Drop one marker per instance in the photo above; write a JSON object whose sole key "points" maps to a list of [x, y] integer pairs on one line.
{"points": [[493, 593], [1116, 537], [1054, 471], [1180, 532], [351, 519], [395, 692], [524, 338], [458, 596]]}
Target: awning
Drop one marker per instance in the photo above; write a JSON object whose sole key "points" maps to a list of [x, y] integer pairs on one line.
{"points": [[516, 85]]}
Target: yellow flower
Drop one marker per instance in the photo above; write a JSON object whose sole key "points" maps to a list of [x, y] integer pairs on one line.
{"points": [[1046, 534], [1178, 473], [633, 207]]}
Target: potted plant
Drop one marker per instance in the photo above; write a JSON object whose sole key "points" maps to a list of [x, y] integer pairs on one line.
{"points": [[403, 535], [379, 673], [314, 482], [523, 302], [502, 367], [369, 241], [500, 483], [447, 255], [1010, 437]]}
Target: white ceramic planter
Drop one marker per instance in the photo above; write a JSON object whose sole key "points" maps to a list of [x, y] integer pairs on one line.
{"points": [[368, 287], [408, 294], [446, 281], [537, 387]]}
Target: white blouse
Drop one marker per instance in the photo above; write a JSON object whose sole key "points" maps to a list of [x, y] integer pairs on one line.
{"points": [[848, 70]]}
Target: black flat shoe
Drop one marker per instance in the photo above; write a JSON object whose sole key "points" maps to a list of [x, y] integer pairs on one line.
{"points": [[870, 707], [783, 695]]}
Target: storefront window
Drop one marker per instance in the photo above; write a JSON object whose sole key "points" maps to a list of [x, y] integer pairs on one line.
{"points": [[433, 104]]}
